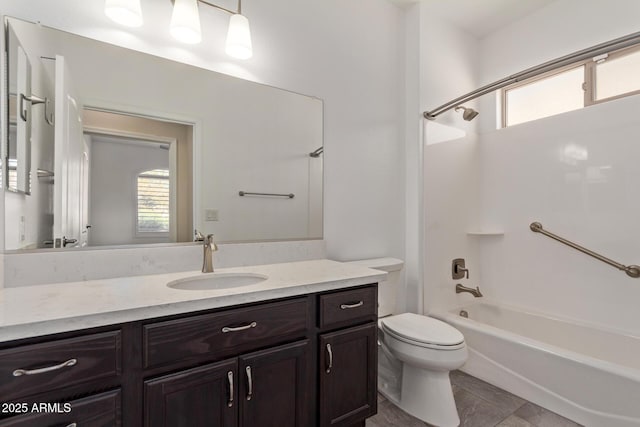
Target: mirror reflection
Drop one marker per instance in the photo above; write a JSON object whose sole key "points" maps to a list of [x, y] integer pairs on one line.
{"points": [[114, 147]]}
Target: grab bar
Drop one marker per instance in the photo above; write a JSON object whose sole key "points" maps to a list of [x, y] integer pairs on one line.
{"points": [[245, 193], [631, 270]]}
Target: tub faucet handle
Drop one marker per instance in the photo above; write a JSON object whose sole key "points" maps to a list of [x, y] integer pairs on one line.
{"points": [[458, 270]]}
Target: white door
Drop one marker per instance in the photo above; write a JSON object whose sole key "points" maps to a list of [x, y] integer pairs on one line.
{"points": [[85, 228], [70, 159]]}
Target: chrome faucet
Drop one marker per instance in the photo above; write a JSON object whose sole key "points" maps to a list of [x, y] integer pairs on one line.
{"points": [[209, 248], [475, 292]]}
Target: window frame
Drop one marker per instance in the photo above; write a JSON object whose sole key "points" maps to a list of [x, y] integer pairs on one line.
{"points": [[588, 85], [591, 76], [149, 234]]}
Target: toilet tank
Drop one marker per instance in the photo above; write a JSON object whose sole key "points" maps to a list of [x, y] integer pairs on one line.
{"points": [[387, 289]]}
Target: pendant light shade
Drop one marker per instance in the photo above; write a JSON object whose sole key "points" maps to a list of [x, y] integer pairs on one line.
{"points": [[239, 38], [185, 21], [124, 12]]}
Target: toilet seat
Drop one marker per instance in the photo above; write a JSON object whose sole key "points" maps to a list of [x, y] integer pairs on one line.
{"points": [[423, 331]]}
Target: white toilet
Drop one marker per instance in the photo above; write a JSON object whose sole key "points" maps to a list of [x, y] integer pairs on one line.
{"points": [[415, 354]]}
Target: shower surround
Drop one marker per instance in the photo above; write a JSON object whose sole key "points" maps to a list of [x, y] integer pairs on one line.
{"points": [[576, 173]]}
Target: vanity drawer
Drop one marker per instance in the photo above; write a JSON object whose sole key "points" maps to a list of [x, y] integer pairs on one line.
{"points": [[230, 332], [31, 369], [101, 410], [347, 307]]}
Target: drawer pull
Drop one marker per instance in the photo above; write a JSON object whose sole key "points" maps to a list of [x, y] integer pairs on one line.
{"points": [[330, 353], [348, 306], [21, 372], [72, 425], [239, 328], [249, 383], [231, 392]]}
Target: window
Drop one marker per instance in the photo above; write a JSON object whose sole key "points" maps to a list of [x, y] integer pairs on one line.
{"points": [[546, 97], [617, 75], [589, 82], [153, 201]]}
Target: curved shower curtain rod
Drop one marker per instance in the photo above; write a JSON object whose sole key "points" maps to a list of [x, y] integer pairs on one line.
{"points": [[599, 49]]}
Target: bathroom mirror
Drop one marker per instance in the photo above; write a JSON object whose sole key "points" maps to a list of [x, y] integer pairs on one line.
{"points": [[128, 148], [18, 149]]}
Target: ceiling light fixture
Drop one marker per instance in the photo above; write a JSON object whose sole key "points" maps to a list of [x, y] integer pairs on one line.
{"points": [[185, 23], [124, 12]]}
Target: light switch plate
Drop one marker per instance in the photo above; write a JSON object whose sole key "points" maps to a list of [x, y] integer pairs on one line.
{"points": [[210, 214]]}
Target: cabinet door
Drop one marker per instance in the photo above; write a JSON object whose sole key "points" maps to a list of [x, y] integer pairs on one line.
{"points": [[101, 410], [275, 387], [201, 397], [348, 375]]}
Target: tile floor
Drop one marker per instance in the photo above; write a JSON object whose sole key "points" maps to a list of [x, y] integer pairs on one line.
{"points": [[479, 405]]}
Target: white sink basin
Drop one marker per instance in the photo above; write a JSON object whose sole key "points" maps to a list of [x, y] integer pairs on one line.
{"points": [[213, 281]]}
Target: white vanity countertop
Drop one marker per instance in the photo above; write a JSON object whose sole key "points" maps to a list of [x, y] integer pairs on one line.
{"points": [[31, 311]]}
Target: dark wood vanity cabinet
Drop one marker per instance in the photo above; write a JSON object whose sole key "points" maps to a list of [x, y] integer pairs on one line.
{"points": [[276, 386], [348, 357], [348, 378], [267, 388], [297, 362], [100, 410], [199, 397]]}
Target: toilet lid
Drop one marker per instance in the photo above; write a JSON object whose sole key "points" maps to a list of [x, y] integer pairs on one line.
{"points": [[422, 329]]}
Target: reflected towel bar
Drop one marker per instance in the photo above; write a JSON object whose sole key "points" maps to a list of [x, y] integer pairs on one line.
{"points": [[246, 193], [631, 270], [35, 100]]}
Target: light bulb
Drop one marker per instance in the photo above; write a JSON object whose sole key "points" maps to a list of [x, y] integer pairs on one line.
{"points": [[239, 38], [185, 21], [124, 12]]}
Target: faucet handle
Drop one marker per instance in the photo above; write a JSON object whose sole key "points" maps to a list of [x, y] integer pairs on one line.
{"points": [[197, 236], [458, 270]]}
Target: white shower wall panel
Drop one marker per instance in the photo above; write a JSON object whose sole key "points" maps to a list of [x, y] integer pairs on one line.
{"points": [[578, 174]]}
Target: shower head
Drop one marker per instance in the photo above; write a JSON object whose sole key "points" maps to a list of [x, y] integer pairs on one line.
{"points": [[469, 113]]}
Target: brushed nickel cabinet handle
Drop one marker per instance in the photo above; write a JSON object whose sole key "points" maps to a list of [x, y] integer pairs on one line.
{"points": [[230, 378], [330, 353], [21, 372], [249, 383], [227, 329], [355, 305]]}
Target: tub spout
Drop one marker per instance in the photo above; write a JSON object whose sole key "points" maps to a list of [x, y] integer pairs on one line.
{"points": [[475, 292]]}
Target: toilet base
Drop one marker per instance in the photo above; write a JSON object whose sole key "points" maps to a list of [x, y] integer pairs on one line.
{"points": [[427, 395]]}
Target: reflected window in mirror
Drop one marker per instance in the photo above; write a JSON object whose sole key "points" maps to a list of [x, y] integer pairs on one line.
{"points": [[153, 208], [139, 179]]}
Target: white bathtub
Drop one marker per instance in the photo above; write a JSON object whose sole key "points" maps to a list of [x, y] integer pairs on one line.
{"points": [[587, 374]]}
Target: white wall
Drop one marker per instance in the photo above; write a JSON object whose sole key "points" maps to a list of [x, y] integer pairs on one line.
{"points": [[313, 48], [449, 64], [261, 146], [410, 297]]}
